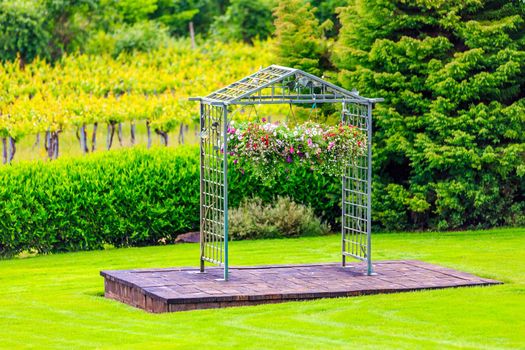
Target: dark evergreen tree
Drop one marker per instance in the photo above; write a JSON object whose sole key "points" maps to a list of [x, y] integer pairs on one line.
{"points": [[68, 22], [327, 10], [244, 20], [22, 32], [177, 14], [450, 138]]}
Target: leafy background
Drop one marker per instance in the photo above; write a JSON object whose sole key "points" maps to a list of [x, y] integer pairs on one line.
{"points": [[449, 140]]}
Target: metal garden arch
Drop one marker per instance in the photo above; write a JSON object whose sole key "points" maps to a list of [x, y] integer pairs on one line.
{"points": [[280, 85]]}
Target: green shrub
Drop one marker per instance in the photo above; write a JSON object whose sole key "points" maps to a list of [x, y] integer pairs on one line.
{"points": [[131, 197], [141, 197], [322, 193], [100, 43], [128, 38], [281, 218]]}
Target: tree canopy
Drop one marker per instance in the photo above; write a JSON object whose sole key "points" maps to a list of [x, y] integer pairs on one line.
{"points": [[22, 32]]}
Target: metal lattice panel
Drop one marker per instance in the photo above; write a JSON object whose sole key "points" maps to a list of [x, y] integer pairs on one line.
{"points": [[214, 205], [356, 196]]}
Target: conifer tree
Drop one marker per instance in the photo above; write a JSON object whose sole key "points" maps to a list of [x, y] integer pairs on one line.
{"points": [[450, 137], [300, 41]]}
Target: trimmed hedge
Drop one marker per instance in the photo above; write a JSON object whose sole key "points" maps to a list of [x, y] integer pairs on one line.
{"points": [[131, 197]]}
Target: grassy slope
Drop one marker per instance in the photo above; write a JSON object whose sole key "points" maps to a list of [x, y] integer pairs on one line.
{"points": [[54, 301]]}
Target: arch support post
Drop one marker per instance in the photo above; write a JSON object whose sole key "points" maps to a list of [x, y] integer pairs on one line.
{"points": [[214, 186], [370, 268], [225, 191], [356, 196], [201, 167]]}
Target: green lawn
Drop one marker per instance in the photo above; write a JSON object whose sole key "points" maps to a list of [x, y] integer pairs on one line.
{"points": [[55, 301]]}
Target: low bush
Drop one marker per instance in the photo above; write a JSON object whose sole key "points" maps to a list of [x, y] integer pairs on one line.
{"points": [[279, 219], [321, 192]]}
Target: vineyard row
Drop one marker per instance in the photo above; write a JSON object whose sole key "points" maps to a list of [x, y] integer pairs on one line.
{"points": [[44, 99]]}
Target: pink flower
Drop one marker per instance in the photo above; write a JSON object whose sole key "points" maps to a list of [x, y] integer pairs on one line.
{"points": [[310, 142], [291, 149], [331, 145], [264, 120]]}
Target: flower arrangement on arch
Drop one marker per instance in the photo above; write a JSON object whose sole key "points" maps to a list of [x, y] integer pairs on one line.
{"points": [[268, 147]]}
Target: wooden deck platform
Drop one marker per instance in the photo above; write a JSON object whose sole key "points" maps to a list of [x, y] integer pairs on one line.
{"points": [[180, 289]]}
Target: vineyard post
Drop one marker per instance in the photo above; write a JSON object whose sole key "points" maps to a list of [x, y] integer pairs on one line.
{"points": [[94, 137], [4, 150], [181, 133], [12, 149], [47, 143], [148, 129], [192, 35], [56, 145], [132, 131], [83, 139], [110, 135], [119, 133]]}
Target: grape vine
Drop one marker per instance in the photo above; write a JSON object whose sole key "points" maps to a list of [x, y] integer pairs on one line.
{"points": [[80, 90]]}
